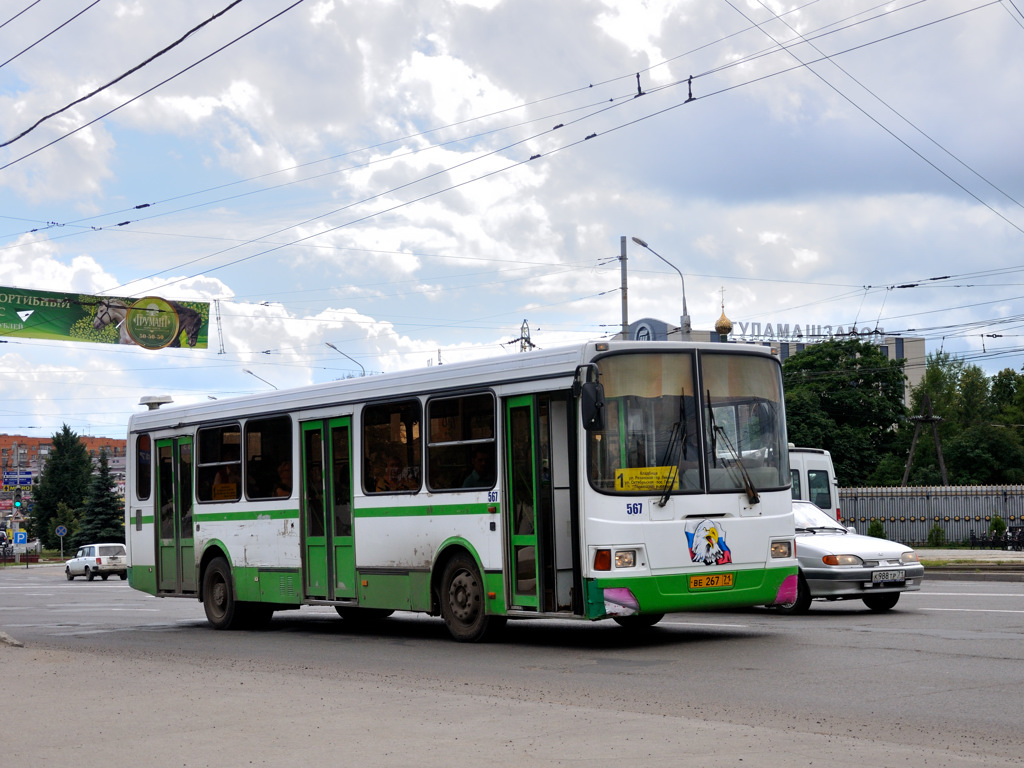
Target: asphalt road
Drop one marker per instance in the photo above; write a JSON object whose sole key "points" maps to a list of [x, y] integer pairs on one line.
{"points": [[108, 676]]}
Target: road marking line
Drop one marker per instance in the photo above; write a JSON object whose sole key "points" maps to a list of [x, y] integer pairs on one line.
{"points": [[971, 610]]}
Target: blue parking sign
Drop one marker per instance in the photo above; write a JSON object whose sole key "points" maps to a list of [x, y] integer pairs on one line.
{"points": [[21, 537]]}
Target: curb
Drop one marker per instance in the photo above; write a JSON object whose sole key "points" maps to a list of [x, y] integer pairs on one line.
{"points": [[1012, 573]]}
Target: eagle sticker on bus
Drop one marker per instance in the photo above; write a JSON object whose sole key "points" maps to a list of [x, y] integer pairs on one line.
{"points": [[707, 543]]}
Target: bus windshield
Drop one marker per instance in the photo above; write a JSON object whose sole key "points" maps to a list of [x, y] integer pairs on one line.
{"points": [[664, 435]]}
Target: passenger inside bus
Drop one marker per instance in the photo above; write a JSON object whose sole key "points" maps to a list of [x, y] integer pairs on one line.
{"points": [[283, 487], [480, 475], [395, 477]]}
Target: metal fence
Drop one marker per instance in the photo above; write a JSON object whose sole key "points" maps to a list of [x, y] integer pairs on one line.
{"points": [[909, 513]]}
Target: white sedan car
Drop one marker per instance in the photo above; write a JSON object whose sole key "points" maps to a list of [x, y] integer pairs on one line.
{"points": [[836, 564], [98, 560]]}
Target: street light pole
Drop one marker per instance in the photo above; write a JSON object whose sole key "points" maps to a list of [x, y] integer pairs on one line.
{"points": [[348, 356], [246, 370], [684, 321]]}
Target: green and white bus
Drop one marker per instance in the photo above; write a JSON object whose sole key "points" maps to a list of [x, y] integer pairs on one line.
{"points": [[620, 480]]}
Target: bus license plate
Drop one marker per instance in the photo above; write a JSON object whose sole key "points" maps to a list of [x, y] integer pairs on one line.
{"points": [[886, 576], [711, 581]]}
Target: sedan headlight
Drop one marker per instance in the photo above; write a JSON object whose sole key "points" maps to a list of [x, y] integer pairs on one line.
{"points": [[909, 557], [842, 560]]}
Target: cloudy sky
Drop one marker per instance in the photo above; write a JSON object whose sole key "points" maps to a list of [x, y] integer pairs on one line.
{"points": [[411, 181]]}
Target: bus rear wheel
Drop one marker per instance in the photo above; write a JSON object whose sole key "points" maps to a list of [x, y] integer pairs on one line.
{"points": [[218, 595], [462, 602]]}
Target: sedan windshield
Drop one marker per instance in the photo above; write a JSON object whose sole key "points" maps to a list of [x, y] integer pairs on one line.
{"points": [[810, 518]]}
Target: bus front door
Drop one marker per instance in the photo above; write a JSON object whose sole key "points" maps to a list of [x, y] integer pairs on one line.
{"points": [[328, 546], [522, 483], [176, 562], [543, 559]]}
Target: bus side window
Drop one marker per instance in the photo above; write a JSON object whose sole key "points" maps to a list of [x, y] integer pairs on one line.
{"points": [[796, 483], [268, 458], [219, 465], [461, 449], [392, 439]]}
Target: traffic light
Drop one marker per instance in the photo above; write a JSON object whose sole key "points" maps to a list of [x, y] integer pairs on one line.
{"points": [[17, 499]]}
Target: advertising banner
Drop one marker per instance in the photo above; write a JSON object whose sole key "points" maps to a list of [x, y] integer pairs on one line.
{"points": [[150, 322]]}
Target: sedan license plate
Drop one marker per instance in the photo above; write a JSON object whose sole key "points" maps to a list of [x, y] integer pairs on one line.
{"points": [[880, 577], [711, 581]]}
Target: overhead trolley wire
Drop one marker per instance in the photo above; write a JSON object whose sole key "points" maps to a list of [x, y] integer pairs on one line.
{"points": [[524, 105], [37, 42], [29, 7], [446, 170], [153, 88]]}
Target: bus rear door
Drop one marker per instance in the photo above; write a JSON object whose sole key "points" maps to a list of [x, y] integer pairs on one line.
{"points": [[328, 546]]}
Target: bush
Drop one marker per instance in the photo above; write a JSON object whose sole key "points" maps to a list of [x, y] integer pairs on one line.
{"points": [[876, 529], [997, 526], [936, 536]]}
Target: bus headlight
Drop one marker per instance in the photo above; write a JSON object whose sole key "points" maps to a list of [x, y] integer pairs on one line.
{"points": [[625, 558], [782, 549]]}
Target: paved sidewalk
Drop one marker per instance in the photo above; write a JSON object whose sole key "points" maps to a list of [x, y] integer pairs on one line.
{"points": [[973, 564], [972, 555]]}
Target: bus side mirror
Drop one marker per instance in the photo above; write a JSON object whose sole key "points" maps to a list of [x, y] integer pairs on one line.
{"points": [[592, 406]]}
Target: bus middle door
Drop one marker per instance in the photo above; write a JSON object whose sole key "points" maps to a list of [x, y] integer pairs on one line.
{"points": [[328, 545], [176, 561]]}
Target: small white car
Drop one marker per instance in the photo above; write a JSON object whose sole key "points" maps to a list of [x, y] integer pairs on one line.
{"points": [[101, 560], [836, 564]]}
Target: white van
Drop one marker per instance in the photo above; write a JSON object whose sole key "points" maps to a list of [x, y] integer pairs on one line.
{"points": [[814, 479]]}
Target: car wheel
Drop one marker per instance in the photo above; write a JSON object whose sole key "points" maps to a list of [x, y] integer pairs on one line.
{"points": [[67, 572], [124, 575], [803, 599], [638, 621], [882, 602], [89, 575], [104, 576]]}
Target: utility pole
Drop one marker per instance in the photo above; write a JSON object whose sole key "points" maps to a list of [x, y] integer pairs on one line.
{"points": [[926, 417], [624, 291]]}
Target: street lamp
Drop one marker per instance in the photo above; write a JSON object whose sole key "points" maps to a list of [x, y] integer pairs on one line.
{"points": [[684, 321], [348, 356], [246, 370]]}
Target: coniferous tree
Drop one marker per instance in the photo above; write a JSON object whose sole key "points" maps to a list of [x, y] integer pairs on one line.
{"points": [[65, 478], [101, 517]]}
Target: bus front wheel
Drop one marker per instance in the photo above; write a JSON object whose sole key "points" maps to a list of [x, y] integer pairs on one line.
{"points": [[638, 620], [462, 602]]}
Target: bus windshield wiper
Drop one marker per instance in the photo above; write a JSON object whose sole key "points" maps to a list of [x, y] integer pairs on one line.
{"points": [[748, 484], [676, 437]]}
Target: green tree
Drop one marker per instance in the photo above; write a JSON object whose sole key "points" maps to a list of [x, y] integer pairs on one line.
{"points": [[65, 479], [981, 443], [101, 517], [845, 397]]}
